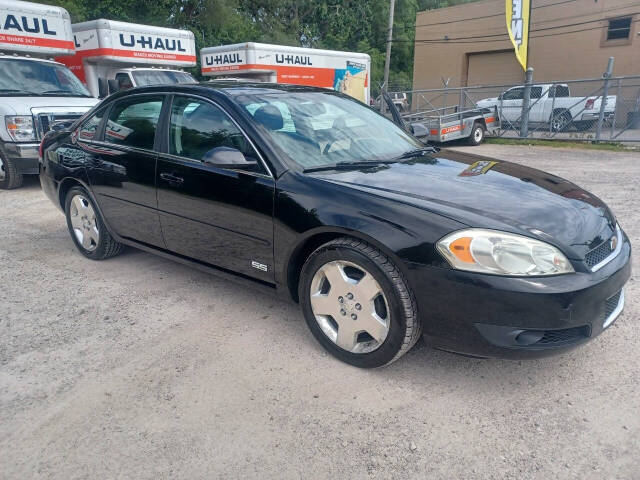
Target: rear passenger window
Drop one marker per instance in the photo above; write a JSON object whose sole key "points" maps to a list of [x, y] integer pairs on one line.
{"points": [[559, 91], [133, 122], [89, 129]]}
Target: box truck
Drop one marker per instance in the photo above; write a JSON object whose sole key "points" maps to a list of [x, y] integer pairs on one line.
{"points": [[126, 55], [37, 94], [345, 72]]}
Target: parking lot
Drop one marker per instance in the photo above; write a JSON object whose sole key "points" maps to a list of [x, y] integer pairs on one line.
{"points": [[139, 367]]}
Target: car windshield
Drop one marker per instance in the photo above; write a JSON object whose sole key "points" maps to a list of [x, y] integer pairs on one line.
{"points": [[161, 77], [317, 129], [34, 78]]}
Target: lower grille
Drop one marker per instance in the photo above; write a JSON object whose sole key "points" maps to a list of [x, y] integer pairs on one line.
{"points": [[564, 336], [611, 303], [612, 308]]}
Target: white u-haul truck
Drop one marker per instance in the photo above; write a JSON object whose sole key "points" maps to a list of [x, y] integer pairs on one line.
{"points": [[37, 94], [346, 72], [114, 55]]}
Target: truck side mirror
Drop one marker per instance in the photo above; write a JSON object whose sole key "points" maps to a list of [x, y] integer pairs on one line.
{"points": [[103, 88], [114, 85]]}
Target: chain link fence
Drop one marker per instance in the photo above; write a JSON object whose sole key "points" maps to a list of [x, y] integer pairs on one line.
{"points": [[604, 109]]}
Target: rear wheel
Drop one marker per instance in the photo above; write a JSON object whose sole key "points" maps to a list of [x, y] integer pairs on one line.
{"points": [[9, 176], [477, 134], [560, 121], [357, 304], [87, 228]]}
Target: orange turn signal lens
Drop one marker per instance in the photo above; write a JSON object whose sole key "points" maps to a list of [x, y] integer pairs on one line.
{"points": [[461, 248], [12, 126]]}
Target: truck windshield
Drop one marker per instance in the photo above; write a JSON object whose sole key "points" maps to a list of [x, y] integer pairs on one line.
{"points": [[161, 77], [316, 129], [20, 77]]}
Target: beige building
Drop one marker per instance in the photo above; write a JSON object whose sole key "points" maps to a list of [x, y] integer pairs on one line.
{"points": [[569, 39]]}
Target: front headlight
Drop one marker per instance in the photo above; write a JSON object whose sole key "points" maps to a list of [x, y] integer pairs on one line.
{"points": [[501, 253], [20, 128]]}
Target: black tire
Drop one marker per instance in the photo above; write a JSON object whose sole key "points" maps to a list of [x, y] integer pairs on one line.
{"points": [[561, 120], [12, 178], [477, 135], [404, 326], [106, 246]]}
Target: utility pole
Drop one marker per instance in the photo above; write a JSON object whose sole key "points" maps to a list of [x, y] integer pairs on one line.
{"points": [[385, 85]]}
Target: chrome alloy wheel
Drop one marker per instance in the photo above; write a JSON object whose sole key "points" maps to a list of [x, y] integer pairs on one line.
{"points": [[3, 174], [477, 135], [349, 306], [84, 223]]}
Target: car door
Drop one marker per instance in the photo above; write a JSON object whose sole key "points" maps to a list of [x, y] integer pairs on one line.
{"points": [[537, 105], [220, 216], [123, 175], [511, 104]]}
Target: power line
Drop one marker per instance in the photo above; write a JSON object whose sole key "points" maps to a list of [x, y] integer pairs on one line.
{"points": [[539, 22], [488, 16], [442, 41], [555, 27]]}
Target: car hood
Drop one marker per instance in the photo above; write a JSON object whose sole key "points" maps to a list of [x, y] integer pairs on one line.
{"points": [[23, 105], [487, 100], [483, 192]]}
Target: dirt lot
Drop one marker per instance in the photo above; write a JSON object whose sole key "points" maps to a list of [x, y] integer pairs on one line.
{"points": [[139, 367]]}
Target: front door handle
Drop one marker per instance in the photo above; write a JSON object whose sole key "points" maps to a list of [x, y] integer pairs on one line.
{"points": [[171, 178]]}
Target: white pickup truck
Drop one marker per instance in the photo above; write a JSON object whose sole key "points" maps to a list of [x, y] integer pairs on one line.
{"points": [[551, 104]]}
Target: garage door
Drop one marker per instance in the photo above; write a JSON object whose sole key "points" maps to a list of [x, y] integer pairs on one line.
{"points": [[494, 68]]}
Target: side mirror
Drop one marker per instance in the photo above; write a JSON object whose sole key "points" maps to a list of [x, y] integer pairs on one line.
{"points": [[419, 130], [114, 85], [227, 157]]}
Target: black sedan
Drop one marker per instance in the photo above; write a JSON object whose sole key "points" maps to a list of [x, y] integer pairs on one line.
{"points": [[313, 196]]}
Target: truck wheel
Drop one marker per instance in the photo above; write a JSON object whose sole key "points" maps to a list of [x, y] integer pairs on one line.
{"points": [[357, 303], [477, 134], [560, 121], [9, 175], [86, 227]]}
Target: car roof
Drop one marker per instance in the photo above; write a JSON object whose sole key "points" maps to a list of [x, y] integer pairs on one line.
{"points": [[228, 88]]}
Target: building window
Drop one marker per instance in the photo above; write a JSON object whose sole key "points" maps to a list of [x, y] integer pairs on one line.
{"points": [[619, 28]]}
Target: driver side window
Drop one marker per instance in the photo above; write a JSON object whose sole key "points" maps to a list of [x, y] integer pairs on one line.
{"points": [[198, 127]]}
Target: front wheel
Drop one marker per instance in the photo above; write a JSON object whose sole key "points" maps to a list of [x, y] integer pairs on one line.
{"points": [[87, 228], [477, 134], [9, 176], [357, 303]]}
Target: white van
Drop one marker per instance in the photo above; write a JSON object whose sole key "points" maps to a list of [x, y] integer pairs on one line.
{"points": [[36, 93], [114, 55]]}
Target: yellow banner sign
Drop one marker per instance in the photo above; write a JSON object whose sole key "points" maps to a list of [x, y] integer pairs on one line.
{"points": [[518, 13]]}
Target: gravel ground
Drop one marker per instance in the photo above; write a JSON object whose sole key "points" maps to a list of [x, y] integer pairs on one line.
{"points": [[139, 367]]}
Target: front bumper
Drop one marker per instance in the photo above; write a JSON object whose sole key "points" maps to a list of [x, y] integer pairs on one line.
{"points": [[494, 316], [24, 156]]}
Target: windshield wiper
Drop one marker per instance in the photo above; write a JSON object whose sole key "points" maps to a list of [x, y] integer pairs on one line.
{"points": [[66, 93], [346, 165], [15, 90], [418, 152]]}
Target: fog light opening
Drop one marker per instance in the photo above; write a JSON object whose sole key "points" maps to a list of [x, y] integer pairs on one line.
{"points": [[529, 337]]}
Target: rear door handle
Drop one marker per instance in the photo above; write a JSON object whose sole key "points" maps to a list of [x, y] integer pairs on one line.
{"points": [[171, 178]]}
